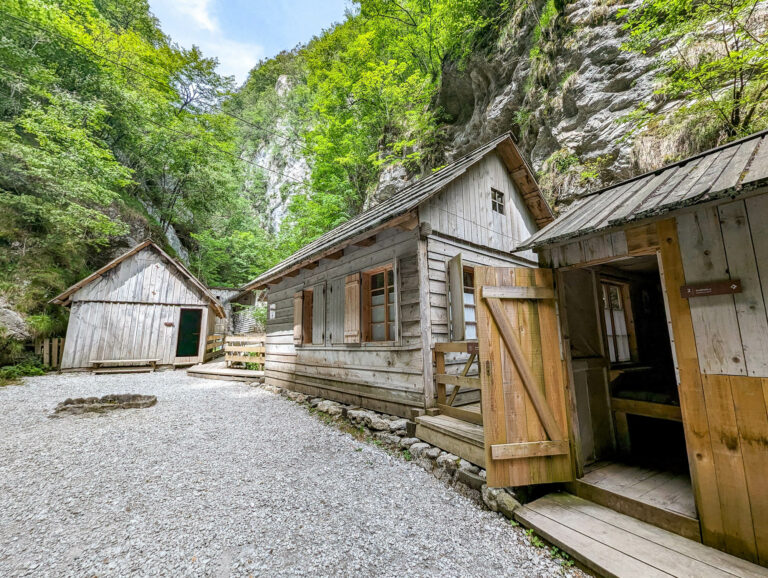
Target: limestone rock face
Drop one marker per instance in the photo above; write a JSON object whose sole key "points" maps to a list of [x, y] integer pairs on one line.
{"points": [[12, 324]]}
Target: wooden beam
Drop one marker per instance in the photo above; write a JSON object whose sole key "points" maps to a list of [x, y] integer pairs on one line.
{"points": [[647, 409], [457, 347], [537, 398], [518, 292], [335, 256], [366, 242], [462, 414], [293, 273], [528, 450], [409, 224], [312, 265], [461, 381]]}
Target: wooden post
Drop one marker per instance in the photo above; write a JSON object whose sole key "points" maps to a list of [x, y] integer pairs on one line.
{"points": [[426, 324]]}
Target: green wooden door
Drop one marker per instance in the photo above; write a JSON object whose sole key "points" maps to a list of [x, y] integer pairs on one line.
{"points": [[189, 332]]}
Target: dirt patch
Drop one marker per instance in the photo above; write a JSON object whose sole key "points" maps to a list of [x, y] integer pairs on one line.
{"points": [[103, 404]]}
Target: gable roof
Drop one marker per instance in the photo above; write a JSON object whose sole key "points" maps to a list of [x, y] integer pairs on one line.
{"points": [[64, 298], [720, 173], [408, 199]]}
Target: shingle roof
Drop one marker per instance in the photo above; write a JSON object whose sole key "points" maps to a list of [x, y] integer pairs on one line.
{"points": [[63, 298], [722, 172], [411, 197]]}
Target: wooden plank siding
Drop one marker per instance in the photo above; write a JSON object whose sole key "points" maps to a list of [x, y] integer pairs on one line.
{"points": [[463, 209], [132, 312], [386, 377], [724, 416]]}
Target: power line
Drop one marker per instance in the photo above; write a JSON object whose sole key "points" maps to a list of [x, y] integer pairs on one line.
{"points": [[189, 136], [160, 83]]}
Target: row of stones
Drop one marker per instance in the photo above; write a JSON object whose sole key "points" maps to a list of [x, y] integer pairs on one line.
{"points": [[397, 434]]}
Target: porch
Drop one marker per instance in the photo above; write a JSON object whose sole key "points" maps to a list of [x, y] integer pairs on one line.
{"points": [[243, 359]]}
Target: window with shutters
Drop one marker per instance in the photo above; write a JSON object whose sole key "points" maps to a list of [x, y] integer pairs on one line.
{"points": [[307, 316], [379, 304]]}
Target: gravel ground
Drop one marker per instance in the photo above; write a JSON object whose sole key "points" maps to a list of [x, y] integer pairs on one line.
{"points": [[224, 479]]}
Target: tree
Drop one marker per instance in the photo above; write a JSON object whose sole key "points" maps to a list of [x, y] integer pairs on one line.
{"points": [[715, 58]]}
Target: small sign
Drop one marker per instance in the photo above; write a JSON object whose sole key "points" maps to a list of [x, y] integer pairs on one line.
{"points": [[713, 288]]}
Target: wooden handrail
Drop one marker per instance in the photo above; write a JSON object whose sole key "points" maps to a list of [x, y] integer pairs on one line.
{"points": [[442, 378]]}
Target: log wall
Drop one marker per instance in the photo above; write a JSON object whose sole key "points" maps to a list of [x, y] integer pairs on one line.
{"points": [[384, 377]]}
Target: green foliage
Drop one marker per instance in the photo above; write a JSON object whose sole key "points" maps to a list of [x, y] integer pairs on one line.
{"points": [[720, 72], [534, 539], [11, 373]]}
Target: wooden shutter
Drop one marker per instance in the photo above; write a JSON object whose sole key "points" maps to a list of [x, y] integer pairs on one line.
{"points": [[298, 317], [456, 297], [335, 314], [352, 308], [522, 376], [318, 314]]}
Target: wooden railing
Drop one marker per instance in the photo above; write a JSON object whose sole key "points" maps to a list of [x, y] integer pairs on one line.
{"points": [[244, 349], [214, 346], [50, 349], [445, 402]]}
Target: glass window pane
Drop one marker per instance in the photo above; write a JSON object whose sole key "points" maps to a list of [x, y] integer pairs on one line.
{"points": [[469, 314], [469, 279], [471, 331], [623, 343], [377, 314], [469, 298], [391, 331], [377, 281], [608, 324], [377, 299], [378, 332], [391, 295], [391, 312], [615, 297], [611, 352], [390, 277]]}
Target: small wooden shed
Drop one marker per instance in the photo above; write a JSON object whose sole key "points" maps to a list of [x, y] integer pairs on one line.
{"points": [[662, 292], [142, 307]]}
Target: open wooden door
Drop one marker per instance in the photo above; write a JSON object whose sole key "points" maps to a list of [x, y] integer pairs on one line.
{"points": [[522, 377]]}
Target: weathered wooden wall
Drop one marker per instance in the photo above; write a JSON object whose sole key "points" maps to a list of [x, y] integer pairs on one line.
{"points": [[384, 377], [463, 209], [725, 416], [123, 314], [729, 242]]}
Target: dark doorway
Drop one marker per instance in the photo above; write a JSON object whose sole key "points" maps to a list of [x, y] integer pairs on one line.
{"points": [[190, 321]]}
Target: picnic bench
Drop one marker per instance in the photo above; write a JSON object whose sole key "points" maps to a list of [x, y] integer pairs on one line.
{"points": [[124, 365]]}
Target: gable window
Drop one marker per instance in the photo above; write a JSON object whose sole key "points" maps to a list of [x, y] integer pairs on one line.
{"points": [[497, 201], [379, 304], [615, 309]]}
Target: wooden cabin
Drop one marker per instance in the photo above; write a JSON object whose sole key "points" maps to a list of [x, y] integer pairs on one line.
{"points": [[662, 295], [142, 309], [354, 315]]}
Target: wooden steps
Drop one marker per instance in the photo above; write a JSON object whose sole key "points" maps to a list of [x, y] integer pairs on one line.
{"points": [[219, 370], [658, 497], [614, 544], [458, 437]]}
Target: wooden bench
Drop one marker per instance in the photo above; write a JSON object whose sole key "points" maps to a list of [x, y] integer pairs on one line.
{"points": [[127, 365]]}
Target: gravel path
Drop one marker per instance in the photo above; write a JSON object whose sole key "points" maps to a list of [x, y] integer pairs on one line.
{"points": [[223, 479]]}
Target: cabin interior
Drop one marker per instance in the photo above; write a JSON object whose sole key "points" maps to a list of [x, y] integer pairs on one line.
{"points": [[632, 451]]}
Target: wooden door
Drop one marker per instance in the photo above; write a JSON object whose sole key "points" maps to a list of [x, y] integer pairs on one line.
{"points": [[522, 377], [190, 321]]}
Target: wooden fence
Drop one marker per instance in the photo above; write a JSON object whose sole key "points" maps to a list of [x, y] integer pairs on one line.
{"points": [[444, 402], [244, 349], [214, 346], [50, 351]]}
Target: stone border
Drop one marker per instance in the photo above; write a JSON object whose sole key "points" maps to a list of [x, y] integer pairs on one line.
{"points": [[103, 404], [396, 435]]}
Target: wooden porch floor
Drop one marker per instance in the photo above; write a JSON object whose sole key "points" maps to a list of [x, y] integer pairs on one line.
{"points": [[219, 370], [615, 544]]}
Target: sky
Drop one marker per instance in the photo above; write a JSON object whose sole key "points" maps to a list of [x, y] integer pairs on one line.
{"points": [[241, 32]]}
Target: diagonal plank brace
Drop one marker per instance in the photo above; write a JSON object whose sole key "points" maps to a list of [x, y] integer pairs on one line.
{"points": [[518, 357]]}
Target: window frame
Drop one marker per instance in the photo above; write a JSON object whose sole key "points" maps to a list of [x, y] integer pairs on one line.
{"points": [[469, 290], [390, 323], [626, 310], [499, 202]]}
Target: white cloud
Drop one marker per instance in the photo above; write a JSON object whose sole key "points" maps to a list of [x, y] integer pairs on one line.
{"points": [[191, 22]]}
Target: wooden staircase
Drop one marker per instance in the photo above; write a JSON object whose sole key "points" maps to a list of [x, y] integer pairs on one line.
{"points": [[453, 435]]}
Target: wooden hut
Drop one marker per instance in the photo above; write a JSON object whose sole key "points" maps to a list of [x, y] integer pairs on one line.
{"points": [[142, 309], [354, 315], [662, 293]]}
